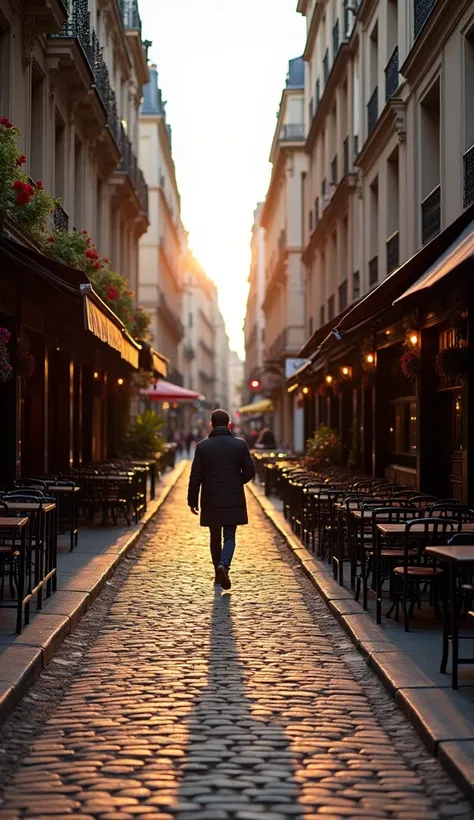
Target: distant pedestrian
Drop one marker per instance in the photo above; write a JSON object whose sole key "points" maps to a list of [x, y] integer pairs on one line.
{"points": [[222, 465], [189, 441], [266, 440]]}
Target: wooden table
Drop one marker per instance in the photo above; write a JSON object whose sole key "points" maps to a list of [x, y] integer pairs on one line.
{"points": [[399, 529], [15, 528], [455, 556], [68, 492]]}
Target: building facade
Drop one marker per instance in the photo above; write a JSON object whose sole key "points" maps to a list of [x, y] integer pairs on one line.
{"points": [[163, 247], [408, 199], [254, 324], [236, 384], [281, 218], [72, 82], [221, 359]]}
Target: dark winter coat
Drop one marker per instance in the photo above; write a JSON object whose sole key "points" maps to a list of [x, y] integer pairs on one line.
{"points": [[222, 465]]}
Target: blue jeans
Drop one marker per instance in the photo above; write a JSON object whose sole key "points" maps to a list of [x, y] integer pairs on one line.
{"points": [[222, 555]]}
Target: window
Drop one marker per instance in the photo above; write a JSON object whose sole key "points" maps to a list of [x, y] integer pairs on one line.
{"points": [[78, 185], [402, 429], [331, 310], [36, 123], [468, 196], [310, 326], [190, 320], [322, 315], [430, 113], [59, 159], [343, 295], [311, 221], [5, 63], [356, 285]]}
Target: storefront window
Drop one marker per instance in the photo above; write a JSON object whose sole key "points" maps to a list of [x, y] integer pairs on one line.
{"points": [[402, 430]]}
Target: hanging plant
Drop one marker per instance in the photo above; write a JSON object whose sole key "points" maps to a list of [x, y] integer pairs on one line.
{"points": [[6, 368], [410, 364], [26, 364], [452, 363], [324, 449]]}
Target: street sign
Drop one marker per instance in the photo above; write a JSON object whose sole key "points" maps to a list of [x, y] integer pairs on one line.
{"points": [[292, 365]]}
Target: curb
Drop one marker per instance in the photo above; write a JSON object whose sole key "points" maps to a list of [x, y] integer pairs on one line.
{"points": [[25, 659], [450, 740]]}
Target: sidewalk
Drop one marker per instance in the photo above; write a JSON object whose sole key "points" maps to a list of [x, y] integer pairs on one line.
{"points": [[407, 663], [81, 575]]}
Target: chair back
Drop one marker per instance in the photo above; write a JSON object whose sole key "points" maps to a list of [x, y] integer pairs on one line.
{"points": [[27, 495], [462, 539], [30, 483], [459, 512], [432, 529]]}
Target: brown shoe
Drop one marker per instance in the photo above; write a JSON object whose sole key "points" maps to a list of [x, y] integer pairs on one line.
{"points": [[223, 577]]}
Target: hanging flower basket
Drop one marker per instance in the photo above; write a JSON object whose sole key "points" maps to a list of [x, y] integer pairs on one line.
{"points": [[6, 368], [410, 364], [324, 449], [452, 363]]}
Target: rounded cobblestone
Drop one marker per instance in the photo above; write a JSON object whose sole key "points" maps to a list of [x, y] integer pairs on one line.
{"points": [[180, 702]]}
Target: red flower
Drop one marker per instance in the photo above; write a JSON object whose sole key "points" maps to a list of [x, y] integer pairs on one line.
{"points": [[89, 240], [20, 160], [39, 185], [84, 233], [6, 122], [112, 293], [90, 254], [51, 239], [18, 185], [97, 266], [106, 261]]}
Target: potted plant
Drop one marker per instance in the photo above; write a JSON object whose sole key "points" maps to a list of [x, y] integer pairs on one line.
{"points": [[324, 449], [143, 438]]}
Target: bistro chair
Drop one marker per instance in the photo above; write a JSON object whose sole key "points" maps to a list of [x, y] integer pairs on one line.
{"points": [[416, 572], [466, 587], [30, 483], [457, 511], [8, 558]]}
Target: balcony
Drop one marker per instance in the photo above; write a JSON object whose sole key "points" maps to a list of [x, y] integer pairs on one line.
{"points": [[335, 39], [373, 271], [468, 163], [393, 252], [326, 68], [293, 132], [130, 15], [46, 15], [345, 157], [431, 215], [171, 319], [278, 347], [391, 75], [60, 219], [188, 352], [373, 111], [422, 10], [334, 169], [129, 166]]}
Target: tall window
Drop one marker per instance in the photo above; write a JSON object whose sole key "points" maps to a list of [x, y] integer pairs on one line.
{"points": [[59, 157], [37, 123], [393, 203], [468, 163], [430, 145], [5, 63], [374, 232], [78, 185]]}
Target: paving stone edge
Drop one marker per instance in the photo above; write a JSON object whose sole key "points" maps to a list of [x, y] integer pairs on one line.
{"points": [[330, 591], [11, 696]]}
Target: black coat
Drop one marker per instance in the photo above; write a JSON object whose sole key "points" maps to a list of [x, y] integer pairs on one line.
{"points": [[222, 465]]}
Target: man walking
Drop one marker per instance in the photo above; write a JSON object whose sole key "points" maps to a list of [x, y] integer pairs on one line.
{"points": [[221, 466]]}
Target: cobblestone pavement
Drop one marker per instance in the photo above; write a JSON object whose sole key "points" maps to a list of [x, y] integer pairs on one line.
{"points": [[174, 700]]}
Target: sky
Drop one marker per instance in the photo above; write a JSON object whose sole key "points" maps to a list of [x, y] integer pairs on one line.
{"points": [[222, 66]]}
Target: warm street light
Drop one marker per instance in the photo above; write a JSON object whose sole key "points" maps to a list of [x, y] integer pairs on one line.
{"points": [[346, 372], [306, 390], [96, 374], [414, 339], [370, 358], [120, 382], [293, 387], [328, 379]]}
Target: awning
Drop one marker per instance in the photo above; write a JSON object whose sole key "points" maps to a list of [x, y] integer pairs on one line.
{"points": [[152, 361], [320, 334], [103, 323], [258, 407], [458, 252], [165, 391]]}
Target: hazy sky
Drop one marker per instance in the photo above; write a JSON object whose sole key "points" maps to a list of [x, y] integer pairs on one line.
{"points": [[222, 66]]}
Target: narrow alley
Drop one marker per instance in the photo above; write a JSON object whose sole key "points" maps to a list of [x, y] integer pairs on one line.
{"points": [[173, 699]]}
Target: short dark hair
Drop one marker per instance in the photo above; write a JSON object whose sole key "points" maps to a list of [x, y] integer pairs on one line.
{"points": [[220, 418]]}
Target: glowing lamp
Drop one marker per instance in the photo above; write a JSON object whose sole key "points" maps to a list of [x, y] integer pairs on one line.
{"points": [[328, 379], [166, 405], [370, 358], [120, 382], [254, 384], [414, 339], [306, 390], [96, 374]]}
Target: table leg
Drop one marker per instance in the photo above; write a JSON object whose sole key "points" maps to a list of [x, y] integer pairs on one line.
{"points": [[21, 578], [446, 622], [378, 576], [454, 624]]}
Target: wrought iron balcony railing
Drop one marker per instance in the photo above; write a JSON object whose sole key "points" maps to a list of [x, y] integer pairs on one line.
{"points": [[468, 162], [345, 157], [431, 215], [393, 252], [373, 111], [326, 68], [335, 39], [391, 75], [292, 132], [130, 15], [279, 346], [60, 219], [422, 10], [129, 165], [373, 271]]}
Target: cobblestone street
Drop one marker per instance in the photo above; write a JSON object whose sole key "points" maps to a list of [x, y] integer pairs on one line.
{"points": [[173, 699]]}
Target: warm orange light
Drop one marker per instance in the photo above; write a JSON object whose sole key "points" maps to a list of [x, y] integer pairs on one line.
{"points": [[254, 384], [370, 358], [414, 339], [96, 374], [166, 405], [345, 371], [306, 390], [120, 382], [328, 379]]}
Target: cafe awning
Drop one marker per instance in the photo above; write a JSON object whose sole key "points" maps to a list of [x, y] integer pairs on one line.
{"points": [[258, 407], [458, 252], [165, 391], [152, 361], [103, 323]]}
